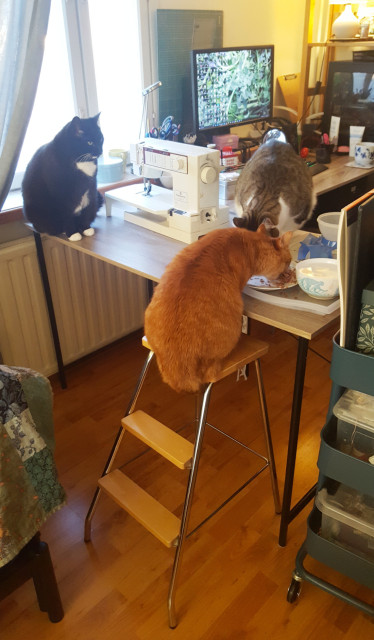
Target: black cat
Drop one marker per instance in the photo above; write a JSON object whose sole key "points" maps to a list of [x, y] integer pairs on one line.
{"points": [[59, 187]]}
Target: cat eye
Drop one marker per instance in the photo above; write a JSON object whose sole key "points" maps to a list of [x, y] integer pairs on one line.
{"points": [[89, 142]]}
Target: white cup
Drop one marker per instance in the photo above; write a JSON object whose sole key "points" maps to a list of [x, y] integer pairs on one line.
{"points": [[364, 154]]}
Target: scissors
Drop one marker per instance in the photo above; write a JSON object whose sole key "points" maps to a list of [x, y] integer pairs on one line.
{"points": [[166, 127]]}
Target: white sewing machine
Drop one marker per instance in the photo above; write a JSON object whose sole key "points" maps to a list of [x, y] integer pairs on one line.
{"points": [[191, 208]]}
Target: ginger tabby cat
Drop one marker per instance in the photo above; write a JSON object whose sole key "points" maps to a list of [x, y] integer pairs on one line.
{"points": [[195, 316]]}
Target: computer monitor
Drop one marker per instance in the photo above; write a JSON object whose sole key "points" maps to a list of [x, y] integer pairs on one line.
{"points": [[350, 95], [231, 87]]}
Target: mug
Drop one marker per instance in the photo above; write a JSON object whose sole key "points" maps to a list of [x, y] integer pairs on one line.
{"points": [[364, 154]]}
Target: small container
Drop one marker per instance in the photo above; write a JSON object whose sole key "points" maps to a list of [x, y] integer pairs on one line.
{"points": [[229, 158], [109, 169], [328, 224], [227, 184], [355, 425], [229, 140], [347, 519]]}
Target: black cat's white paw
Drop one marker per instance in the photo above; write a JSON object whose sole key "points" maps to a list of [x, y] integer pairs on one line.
{"points": [[75, 237], [89, 232]]}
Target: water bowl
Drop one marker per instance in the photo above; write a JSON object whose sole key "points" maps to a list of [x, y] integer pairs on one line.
{"points": [[318, 277]]}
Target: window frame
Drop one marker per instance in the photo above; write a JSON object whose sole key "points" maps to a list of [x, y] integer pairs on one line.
{"points": [[81, 65]]}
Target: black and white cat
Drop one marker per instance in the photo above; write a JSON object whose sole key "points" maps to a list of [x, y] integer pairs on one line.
{"points": [[59, 187], [274, 188]]}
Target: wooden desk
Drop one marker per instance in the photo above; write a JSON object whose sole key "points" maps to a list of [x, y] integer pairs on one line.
{"points": [[338, 174], [147, 253]]}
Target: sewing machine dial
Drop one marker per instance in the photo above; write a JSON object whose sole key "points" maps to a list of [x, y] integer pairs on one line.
{"points": [[177, 163], [208, 174]]}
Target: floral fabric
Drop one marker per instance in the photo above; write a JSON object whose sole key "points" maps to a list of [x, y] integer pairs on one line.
{"points": [[365, 334], [29, 486]]}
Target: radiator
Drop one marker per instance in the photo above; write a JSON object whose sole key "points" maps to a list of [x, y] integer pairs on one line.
{"points": [[95, 303]]}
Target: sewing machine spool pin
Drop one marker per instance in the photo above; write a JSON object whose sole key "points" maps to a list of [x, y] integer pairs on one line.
{"points": [[147, 186]]}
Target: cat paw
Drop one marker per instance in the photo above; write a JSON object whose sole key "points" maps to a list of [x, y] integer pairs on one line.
{"points": [[89, 232], [75, 237]]}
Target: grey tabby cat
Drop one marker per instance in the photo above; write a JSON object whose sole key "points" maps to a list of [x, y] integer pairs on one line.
{"points": [[274, 188]]}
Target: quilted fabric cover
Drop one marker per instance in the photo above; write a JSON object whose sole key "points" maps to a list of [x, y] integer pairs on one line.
{"points": [[29, 487]]}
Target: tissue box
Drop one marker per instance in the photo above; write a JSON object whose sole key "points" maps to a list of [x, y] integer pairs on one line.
{"points": [[365, 334]]}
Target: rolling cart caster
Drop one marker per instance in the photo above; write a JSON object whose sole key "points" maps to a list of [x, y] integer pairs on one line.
{"points": [[295, 588]]}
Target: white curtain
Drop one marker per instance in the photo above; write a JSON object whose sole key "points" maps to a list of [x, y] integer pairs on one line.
{"points": [[23, 26]]}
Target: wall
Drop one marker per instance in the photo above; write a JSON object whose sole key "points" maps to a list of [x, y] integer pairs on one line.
{"points": [[245, 22]]}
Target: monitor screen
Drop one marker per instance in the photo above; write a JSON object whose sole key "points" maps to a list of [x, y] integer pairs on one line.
{"points": [[350, 95], [232, 86]]}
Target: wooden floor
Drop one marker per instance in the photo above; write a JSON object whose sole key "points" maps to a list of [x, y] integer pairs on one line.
{"points": [[234, 576]]}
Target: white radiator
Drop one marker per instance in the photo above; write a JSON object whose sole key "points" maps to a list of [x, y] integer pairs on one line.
{"points": [[95, 303]]}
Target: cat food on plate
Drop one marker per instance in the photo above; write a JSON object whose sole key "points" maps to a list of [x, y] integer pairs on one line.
{"points": [[285, 280]]}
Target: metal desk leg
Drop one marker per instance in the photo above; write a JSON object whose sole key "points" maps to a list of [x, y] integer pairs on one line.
{"points": [[150, 289], [287, 515], [51, 311]]}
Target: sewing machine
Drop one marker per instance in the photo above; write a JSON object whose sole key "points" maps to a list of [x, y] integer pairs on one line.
{"points": [[187, 211]]}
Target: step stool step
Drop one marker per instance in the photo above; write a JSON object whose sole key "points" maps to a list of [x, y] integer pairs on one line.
{"points": [[156, 435], [158, 520]]}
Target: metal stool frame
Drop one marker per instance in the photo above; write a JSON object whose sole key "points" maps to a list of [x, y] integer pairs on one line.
{"points": [[201, 415]]}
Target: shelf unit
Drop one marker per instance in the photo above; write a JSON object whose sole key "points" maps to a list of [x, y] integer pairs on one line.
{"points": [[329, 47], [351, 370]]}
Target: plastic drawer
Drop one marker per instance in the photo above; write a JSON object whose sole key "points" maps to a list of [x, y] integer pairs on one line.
{"points": [[341, 466], [335, 557], [347, 519]]}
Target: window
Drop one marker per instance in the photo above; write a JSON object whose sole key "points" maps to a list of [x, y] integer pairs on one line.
{"points": [[92, 62]]}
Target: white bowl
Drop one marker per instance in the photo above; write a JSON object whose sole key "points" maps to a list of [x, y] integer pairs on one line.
{"points": [[318, 277], [328, 224]]}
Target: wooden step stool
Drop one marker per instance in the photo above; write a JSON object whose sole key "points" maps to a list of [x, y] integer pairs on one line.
{"points": [[161, 522]]}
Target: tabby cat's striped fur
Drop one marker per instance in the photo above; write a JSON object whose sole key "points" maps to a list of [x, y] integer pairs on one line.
{"points": [[274, 188]]}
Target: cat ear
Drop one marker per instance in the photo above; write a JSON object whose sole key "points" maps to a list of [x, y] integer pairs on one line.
{"points": [[76, 125], [239, 222], [97, 116], [286, 238], [262, 229], [283, 241]]}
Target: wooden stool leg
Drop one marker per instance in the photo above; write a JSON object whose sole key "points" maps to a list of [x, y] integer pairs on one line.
{"points": [[115, 447], [269, 443], [187, 505]]}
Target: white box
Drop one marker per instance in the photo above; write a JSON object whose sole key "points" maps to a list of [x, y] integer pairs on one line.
{"points": [[227, 184]]}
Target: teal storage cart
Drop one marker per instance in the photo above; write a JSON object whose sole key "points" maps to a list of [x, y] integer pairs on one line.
{"points": [[349, 370]]}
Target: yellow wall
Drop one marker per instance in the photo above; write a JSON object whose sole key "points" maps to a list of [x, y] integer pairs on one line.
{"points": [[246, 22]]}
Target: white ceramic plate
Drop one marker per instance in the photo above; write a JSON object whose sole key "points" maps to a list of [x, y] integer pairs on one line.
{"points": [[261, 283]]}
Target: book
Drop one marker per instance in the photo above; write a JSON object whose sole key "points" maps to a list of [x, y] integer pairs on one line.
{"points": [[294, 298], [355, 262]]}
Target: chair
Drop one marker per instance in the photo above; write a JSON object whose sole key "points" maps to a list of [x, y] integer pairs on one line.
{"points": [[34, 561], [29, 488], [161, 522]]}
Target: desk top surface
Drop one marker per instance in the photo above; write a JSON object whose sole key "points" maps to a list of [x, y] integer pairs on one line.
{"points": [[146, 253], [338, 174]]}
